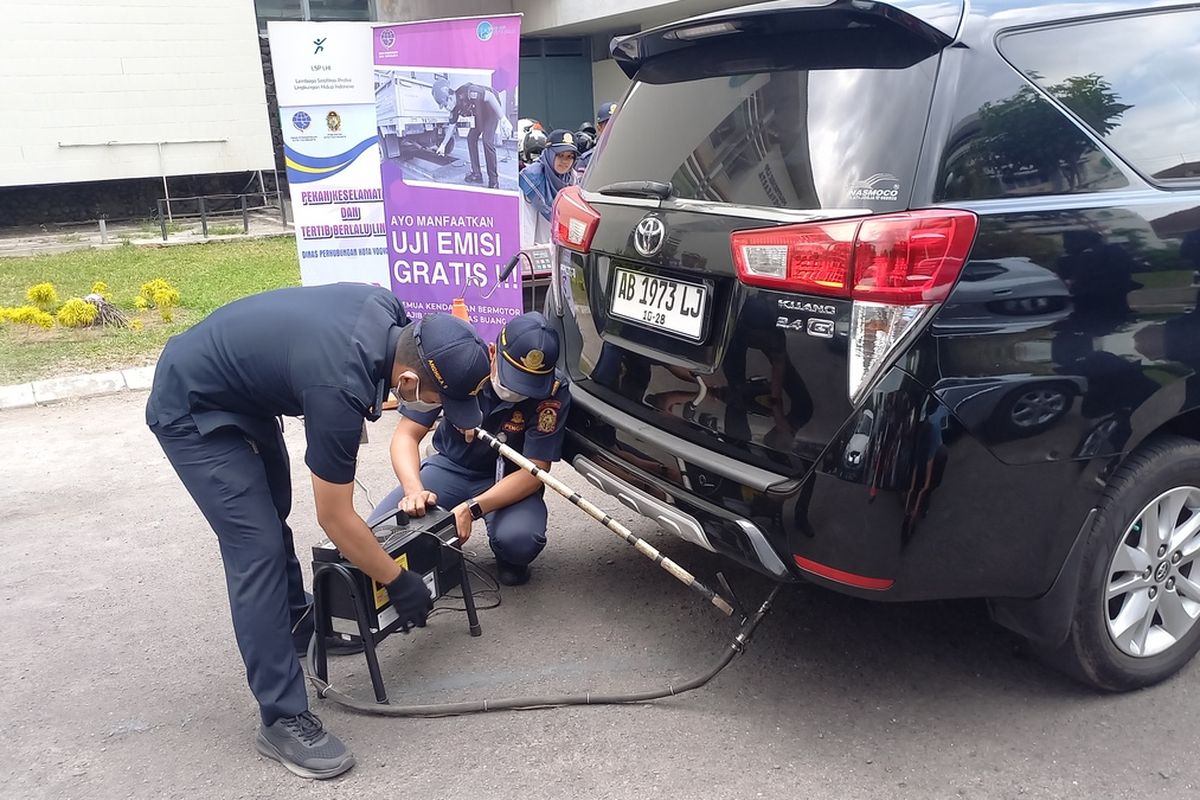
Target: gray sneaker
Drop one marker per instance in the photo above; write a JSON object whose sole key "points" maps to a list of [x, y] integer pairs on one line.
{"points": [[302, 745]]}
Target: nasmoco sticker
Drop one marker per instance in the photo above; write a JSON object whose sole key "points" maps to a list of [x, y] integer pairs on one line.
{"points": [[880, 186]]}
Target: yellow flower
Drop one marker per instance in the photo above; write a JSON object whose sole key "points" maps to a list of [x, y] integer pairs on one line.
{"points": [[136, 324], [141, 303]]}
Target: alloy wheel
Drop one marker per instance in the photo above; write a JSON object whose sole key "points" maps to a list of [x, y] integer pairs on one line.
{"points": [[1152, 589]]}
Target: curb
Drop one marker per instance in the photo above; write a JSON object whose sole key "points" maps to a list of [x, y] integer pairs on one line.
{"points": [[52, 390]]}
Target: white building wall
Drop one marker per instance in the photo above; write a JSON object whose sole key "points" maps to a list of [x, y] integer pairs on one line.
{"points": [[90, 88], [570, 17]]}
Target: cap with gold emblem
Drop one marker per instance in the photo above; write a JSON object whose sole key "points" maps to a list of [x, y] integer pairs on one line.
{"points": [[526, 352], [562, 141], [458, 360]]}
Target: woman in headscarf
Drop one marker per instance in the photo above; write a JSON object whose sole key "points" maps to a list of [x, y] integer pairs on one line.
{"points": [[541, 182]]}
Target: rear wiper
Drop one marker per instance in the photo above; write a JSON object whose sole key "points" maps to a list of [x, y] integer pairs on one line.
{"points": [[658, 189]]}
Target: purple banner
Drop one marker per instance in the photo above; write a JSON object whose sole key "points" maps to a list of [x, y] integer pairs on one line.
{"points": [[446, 109]]}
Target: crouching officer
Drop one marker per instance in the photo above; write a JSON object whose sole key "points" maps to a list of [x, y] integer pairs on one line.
{"points": [[525, 406], [329, 353]]}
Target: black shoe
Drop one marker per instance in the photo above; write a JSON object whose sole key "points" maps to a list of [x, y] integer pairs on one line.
{"points": [[493, 184], [512, 574], [473, 177], [302, 744], [336, 646]]}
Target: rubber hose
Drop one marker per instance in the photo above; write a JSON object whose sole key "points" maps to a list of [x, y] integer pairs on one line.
{"points": [[735, 647], [516, 703]]}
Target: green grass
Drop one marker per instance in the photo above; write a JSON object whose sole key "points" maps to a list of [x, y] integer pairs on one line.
{"points": [[155, 229], [207, 276], [225, 230]]}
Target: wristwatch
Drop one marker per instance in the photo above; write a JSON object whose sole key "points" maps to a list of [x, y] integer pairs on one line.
{"points": [[475, 509]]}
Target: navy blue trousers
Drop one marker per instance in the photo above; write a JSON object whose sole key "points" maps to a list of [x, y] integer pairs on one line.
{"points": [[244, 490], [516, 533]]}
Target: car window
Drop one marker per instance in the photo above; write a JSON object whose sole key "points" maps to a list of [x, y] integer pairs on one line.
{"points": [[1135, 81], [785, 138], [1010, 141]]}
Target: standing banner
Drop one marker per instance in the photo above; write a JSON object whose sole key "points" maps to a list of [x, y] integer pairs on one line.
{"points": [[446, 110], [325, 84]]}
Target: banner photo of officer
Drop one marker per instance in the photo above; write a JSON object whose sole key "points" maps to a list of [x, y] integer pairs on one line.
{"points": [[446, 112]]}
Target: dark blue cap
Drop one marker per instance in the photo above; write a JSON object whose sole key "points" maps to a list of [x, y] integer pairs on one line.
{"points": [[604, 111], [562, 140], [458, 360], [526, 352]]}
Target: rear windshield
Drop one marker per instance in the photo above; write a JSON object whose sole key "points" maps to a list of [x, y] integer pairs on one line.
{"points": [[841, 137]]}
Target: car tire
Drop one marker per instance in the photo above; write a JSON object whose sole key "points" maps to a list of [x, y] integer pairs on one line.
{"points": [[1100, 650]]}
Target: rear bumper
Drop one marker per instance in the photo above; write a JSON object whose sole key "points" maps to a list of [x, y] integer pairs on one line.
{"points": [[687, 517], [916, 509]]}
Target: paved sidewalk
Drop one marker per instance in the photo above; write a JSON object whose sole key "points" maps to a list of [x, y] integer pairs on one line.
{"points": [[50, 390], [31, 240]]}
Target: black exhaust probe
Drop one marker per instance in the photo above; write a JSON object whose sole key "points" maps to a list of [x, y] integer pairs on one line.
{"points": [[641, 545]]}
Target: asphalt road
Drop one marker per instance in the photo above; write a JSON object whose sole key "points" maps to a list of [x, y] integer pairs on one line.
{"points": [[121, 678]]}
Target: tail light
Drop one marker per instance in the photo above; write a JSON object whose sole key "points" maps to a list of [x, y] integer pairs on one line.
{"points": [[573, 222], [895, 267]]}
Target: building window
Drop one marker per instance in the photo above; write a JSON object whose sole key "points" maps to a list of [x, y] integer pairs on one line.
{"points": [[317, 10]]}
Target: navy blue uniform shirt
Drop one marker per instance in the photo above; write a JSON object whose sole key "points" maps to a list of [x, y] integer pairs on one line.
{"points": [[469, 100], [535, 428], [322, 352]]}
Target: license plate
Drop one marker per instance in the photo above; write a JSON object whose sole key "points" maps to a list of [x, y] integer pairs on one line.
{"points": [[664, 304]]}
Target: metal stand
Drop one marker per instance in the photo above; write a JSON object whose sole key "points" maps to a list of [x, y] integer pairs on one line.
{"points": [[322, 575]]}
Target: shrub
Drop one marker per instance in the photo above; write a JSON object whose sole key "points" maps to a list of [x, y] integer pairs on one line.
{"points": [[141, 303], [150, 287], [27, 315], [77, 313], [162, 295], [101, 288], [42, 295]]}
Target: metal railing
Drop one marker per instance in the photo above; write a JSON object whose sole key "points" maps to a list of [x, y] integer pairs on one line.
{"points": [[218, 207]]}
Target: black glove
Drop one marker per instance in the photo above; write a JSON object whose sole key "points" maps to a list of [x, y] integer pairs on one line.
{"points": [[410, 598]]}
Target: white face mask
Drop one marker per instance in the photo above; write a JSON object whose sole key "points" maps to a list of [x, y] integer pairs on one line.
{"points": [[507, 395], [417, 404]]}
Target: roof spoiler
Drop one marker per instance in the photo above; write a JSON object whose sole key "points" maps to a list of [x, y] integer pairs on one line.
{"points": [[933, 23]]}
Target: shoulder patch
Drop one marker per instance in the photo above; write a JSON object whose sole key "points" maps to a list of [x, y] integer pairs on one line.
{"points": [[547, 416]]}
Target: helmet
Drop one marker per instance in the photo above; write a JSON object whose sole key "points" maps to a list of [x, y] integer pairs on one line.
{"points": [[584, 141], [534, 144], [442, 93], [588, 127]]}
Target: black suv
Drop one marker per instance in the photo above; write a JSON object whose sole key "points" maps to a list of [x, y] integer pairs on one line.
{"points": [[899, 298]]}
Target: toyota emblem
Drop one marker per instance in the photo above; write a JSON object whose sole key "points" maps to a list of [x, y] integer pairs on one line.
{"points": [[649, 235]]}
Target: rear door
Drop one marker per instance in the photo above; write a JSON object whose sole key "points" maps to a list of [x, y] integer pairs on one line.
{"points": [[806, 117]]}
